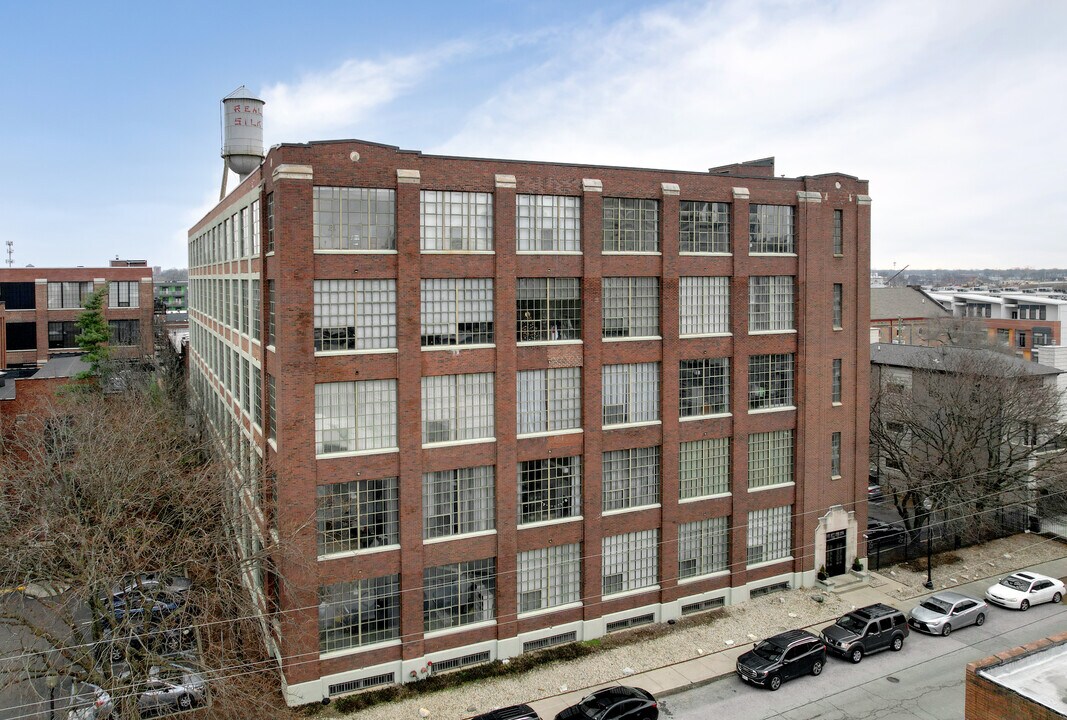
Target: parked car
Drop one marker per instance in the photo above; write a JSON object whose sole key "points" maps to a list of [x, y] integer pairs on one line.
{"points": [[1022, 589], [944, 612], [91, 703], [884, 534], [150, 593], [782, 657], [866, 630], [614, 703], [874, 493], [170, 688], [512, 712]]}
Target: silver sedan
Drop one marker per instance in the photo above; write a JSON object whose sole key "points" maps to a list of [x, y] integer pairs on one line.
{"points": [[944, 612]]}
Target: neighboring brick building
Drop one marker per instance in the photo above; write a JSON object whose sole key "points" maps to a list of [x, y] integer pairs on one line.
{"points": [[496, 405], [40, 306], [1024, 683], [906, 315]]}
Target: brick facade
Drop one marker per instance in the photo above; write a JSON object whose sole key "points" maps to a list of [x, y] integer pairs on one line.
{"points": [[288, 176]]}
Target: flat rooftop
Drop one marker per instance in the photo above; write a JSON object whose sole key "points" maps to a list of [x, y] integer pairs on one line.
{"points": [[1040, 676]]}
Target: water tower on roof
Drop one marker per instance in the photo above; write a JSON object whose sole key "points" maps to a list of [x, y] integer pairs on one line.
{"points": [[242, 133]]}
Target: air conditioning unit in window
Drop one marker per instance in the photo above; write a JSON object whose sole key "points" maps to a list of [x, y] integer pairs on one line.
{"points": [[438, 431], [613, 583]]}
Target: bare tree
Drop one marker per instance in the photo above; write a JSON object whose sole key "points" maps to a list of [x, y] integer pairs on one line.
{"points": [[115, 526], [968, 428]]}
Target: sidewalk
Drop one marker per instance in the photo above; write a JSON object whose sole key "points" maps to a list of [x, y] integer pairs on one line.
{"points": [[688, 674]]}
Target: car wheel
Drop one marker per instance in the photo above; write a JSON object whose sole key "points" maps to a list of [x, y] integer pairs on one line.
{"points": [[946, 631], [816, 669], [980, 620], [1056, 599], [855, 655], [1024, 605], [184, 701], [898, 643], [775, 682]]}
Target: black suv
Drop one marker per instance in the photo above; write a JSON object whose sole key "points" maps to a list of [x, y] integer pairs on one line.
{"points": [[866, 630], [782, 657]]}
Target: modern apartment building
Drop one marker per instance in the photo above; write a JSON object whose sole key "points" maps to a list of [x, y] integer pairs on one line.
{"points": [[172, 295], [1022, 321], [489, 406], [39, 306]]}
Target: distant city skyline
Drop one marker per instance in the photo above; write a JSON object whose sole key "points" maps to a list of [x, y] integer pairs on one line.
{"points": [[949, 108]]}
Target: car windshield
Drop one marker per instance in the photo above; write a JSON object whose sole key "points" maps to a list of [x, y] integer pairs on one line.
{"points": [[937, 606], [768, 651], [1016, 583], [594, 705], [852, 623]]}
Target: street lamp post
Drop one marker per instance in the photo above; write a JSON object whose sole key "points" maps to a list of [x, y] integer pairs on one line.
{"points": [[52, 679], [928, 505]]}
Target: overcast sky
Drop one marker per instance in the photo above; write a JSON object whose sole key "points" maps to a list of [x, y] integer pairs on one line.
{"points": [[955, 111]]}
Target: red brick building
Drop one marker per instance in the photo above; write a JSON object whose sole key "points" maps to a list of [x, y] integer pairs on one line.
{"points": [[496, 405], [39, 306]]}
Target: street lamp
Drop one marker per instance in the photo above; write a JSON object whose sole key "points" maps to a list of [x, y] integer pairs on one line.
{"points": [[52, 679], [928, 505]]}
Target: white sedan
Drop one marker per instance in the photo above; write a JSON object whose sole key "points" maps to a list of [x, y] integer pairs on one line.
{"points": [[1022, 589]]}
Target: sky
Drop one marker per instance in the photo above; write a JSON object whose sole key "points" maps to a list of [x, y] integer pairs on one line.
{"points": [[953, 110]]}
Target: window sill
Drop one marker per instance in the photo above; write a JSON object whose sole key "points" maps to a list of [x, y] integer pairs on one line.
{"points": [[698, 498], [628, 593], [459, 628], [356, 453], [357, 553], [632, 339], [549, 433], [623, 426], [763, 411], [457, 348], [536, 343], [452, 443], [776, 486], [773, 332], [273, 443], [836, 477], [359, 649], [545, 611], [839, 255], [636, 508], [653, 253], [768, 563], [706, 335], [707, 576], [770, 254], [696, 253], [426, 251], [349, 251], [712, 416], [461, 536], [835, 404], [338, 353], [547, 523], [549, 252], [838, 329]]}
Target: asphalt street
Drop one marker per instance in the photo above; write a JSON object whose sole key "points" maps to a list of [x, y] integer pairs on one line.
{"points": [[924, 681]]}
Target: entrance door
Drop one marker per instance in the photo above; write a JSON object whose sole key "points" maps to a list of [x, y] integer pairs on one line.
{"points": [[835, 552]]}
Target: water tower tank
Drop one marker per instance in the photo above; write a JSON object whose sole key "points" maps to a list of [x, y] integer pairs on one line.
{"points": [[242, 144]]}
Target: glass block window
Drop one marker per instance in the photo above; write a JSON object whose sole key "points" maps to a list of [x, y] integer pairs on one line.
{"points": [[272, 413], [548, 223], [457, 311], [360, 612], [357, 515], [245, 297], [256, 228], [355, 314], [703, 547], [835, 454], [704, 227], [770, 458], [549, 400], [770, 229], [270, 222], [630, 393], [704, 387], [354, 218], [839, 245], [770, 303], [246, 232], [770, 381], [549, 577], [270, 312], [549, 489], [835, 381], [351, 416], [121, 293], [125, 332], [61, 334], [630, 561], [459, 594], [631, 307], [630, 225], [456, 220], [769, 534], [68, 294], [838, 309], [455, 502], [457, 407], [631, 478], [548, 309], [257, 308], [704, 468], [703, 305], [257, 392]]}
